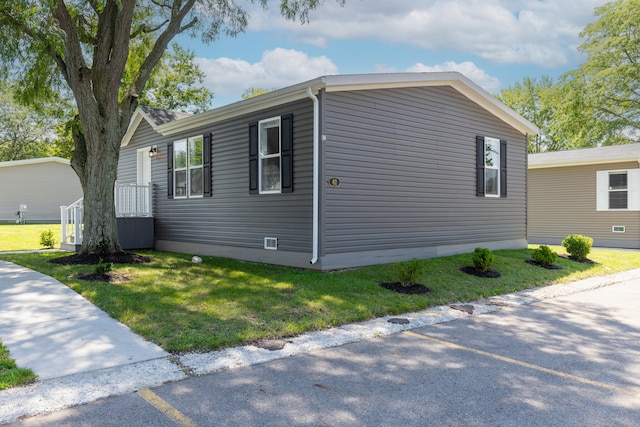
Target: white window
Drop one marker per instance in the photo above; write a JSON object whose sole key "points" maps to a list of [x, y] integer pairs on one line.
{"points": [[187, 167], [491, 167], [618, 190], [269, 152]]}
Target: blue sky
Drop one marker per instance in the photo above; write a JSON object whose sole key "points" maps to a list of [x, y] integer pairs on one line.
{"points": [[496, 43]]}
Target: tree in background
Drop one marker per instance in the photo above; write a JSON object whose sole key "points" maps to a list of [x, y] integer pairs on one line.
{"points": [[611, 73], [28, 132], [597, 104], [85, 46], [176, 83], [252, 92]]}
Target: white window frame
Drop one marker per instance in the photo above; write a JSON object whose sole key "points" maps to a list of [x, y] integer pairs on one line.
{"points": [[496, 167], [188, 168], [603, 190], [264, 155]]}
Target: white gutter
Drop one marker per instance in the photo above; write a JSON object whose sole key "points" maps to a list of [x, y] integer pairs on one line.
{"points": [[316, 172]]}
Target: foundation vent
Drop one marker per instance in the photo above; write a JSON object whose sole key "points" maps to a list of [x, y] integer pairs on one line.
{"points": [[271, 243], [617, 229]]}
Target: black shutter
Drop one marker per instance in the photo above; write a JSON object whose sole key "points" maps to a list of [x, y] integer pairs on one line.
{"points": [[480, 166], [503, 168], [206, 165], [253, 158], [286, 153], [170, 170]]}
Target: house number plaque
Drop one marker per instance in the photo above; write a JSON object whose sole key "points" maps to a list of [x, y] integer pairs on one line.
{"points": [[334, 182]]}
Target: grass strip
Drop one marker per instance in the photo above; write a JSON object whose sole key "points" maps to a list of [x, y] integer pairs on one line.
{"points": [[25, 237], [187, 307], [10, 374]]}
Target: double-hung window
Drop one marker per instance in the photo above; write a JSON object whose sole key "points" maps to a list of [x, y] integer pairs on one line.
{"points": [[188, 167], [491, 177], [271, 155], [618, 190]]}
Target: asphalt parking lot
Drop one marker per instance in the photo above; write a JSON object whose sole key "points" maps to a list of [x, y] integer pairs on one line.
{"points": [[566, 361]]}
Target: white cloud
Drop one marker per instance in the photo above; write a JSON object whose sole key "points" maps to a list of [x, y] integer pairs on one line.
{"points": [[539, 32], [277, 68], [469, 69]]}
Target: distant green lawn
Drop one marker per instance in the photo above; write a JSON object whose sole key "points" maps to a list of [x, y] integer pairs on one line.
{"points": [[24, 237], [187, 307]]}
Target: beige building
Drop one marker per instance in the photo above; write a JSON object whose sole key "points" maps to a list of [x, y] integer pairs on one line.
{"points": [[41, 185], [591, 191]]}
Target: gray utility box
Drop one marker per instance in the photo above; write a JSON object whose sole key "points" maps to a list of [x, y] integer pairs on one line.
{"points": [[136, 233]]}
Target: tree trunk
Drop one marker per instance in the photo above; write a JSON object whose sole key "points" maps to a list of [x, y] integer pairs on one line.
{"points": [[96, 163]]}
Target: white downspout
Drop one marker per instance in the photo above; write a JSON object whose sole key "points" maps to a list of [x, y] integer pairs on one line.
{"points": [[316, 172]]}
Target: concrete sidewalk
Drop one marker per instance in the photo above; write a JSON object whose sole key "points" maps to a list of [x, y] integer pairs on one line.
{"points": [[56, 332]]}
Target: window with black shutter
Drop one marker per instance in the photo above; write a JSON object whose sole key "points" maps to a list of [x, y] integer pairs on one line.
{"points": [[271, 155]]}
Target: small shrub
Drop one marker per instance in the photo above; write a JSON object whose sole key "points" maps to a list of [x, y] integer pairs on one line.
{"points": [[47, 240], [544, 255], [578, 246], [482, 259], [103, 267], [408, 272]]}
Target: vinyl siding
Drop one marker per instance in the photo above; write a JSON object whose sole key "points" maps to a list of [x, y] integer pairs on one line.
{"points": [[406, 160], [232, 218], [562, 201], [43, 187]]}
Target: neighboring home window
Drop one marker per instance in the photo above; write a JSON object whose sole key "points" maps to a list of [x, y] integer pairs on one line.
{"points": [[271, 155], [491, 176], [618, 190], [189, 167]]}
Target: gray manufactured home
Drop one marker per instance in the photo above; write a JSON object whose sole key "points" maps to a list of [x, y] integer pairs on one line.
{"points": [[591, 191], [337, 172]]}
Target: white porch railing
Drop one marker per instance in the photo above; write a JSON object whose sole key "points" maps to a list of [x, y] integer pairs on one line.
{"points": [[131, 200], [134, 200], [71, 221]]}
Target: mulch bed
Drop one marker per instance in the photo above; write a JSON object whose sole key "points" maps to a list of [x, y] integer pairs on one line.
{"points": [[586, 260], [489, 274], [547, 266], [413, 289], [92, 259]]}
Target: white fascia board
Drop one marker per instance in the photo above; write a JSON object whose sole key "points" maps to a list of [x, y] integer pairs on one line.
{"points": [[350, 82], [248, 106], [135, 121], [582, 162], [34, 161], [450, 78]]}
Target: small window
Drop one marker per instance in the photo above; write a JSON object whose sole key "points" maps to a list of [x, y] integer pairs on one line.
{"points": [[492, 167], [618, 190], [269, 153], [187, 163], [491, 177]]}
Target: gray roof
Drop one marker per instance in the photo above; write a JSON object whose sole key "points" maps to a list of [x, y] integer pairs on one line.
{"points": [[585, 156], [159, 117]]}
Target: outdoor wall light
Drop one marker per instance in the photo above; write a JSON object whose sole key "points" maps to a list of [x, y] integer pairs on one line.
{"points": [[153, 152]]}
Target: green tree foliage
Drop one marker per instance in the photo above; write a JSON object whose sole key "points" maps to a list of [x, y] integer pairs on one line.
{"points": [[175, 84], [26, 131], [84, 46], [597, 104], [611, 73], [252, 92]]}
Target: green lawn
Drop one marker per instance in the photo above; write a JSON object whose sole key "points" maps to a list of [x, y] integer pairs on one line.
{"points": [[23, 237], [10, 375], [186, 307]]}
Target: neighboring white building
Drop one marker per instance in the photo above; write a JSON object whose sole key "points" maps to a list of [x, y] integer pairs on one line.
{"points": [[43, 185]]}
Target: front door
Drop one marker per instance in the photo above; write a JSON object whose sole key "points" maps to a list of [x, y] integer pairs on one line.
{"points": [[144, 166]]}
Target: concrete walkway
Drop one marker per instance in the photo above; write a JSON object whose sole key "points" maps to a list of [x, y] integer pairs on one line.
{"points": [[56, 332]]}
